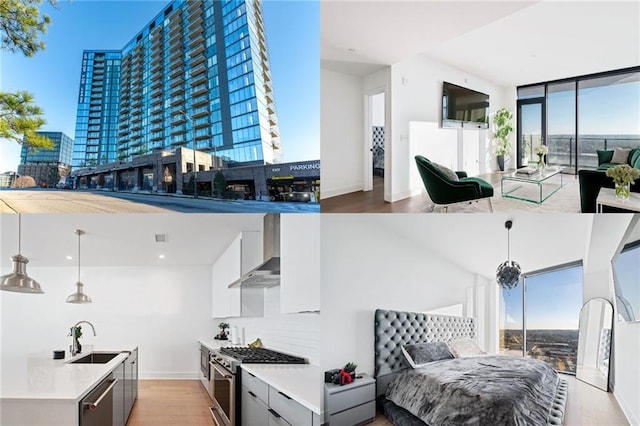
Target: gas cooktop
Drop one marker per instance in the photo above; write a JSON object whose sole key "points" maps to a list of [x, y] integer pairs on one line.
{"points": [[261, 356]]}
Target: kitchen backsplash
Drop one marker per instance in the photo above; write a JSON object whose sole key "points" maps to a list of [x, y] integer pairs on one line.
{"points": [[297, 334]]}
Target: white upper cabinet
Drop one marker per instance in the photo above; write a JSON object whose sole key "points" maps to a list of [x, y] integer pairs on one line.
{"points": [[244, 254], [226, 301], [252, 249], [299, 262]]}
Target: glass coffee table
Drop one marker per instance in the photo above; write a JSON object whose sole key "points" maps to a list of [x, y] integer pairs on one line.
{"points": [[522, 187]]}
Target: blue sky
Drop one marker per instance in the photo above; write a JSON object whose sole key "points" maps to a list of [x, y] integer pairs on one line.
{"points": [[602, 111], [53, 76], [553, 301]]}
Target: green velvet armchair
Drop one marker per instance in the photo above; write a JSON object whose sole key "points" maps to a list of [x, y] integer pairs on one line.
{"points": [[444, 190]]}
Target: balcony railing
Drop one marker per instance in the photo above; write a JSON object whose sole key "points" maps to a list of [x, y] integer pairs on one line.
{"points": [[563, 149]]}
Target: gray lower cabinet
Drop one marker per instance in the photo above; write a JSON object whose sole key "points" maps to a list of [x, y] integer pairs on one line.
{"points": [[130, 382], [254, 410], [118, 397], [264, 405], [352, 404]]}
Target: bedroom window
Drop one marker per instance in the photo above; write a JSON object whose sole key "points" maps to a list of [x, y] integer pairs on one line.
{"points": [[539, 318]]}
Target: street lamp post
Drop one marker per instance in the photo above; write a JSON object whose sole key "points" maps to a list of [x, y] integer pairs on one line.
{"points": [[195, 169]]}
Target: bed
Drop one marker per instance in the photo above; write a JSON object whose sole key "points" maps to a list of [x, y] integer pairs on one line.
{"points": [[478, 390]]}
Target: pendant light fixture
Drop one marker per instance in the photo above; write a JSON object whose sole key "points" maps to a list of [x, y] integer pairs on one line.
{"points": [[79, 296], [19, 281], [508, 273]]}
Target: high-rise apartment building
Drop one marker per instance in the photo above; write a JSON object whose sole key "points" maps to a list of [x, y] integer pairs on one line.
{"points": [[96, 137], [196, 76]]}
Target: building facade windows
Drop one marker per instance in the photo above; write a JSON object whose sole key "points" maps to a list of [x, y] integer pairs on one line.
{"points": [[181, 64]]}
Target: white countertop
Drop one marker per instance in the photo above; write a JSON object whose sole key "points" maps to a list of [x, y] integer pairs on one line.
{"points": [[39, 376], [302, 382], [214, 344]]}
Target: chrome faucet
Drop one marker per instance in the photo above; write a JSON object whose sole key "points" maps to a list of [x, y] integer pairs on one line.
{"points": [[75, 345]]}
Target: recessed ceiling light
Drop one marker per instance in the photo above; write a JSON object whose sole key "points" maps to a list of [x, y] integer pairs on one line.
{"points": [[69, 258], [161, 256], [352, 50]]}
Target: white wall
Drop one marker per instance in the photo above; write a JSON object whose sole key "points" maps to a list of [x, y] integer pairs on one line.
{"points": [[416, 86], [297, 334], [342, 133], [377, 110], [606, 234], [365, 267], [162, 310]]}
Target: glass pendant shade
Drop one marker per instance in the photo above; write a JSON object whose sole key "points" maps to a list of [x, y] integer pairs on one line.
{"points": [[18, 280], [508, 273], [79, 296]]}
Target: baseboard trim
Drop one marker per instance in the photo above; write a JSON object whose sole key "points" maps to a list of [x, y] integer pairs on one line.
{"points": [[405, 194], [152, 375], [328, 193], [626, 409]]}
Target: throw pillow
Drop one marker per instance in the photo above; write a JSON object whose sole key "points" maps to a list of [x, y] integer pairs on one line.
{"points": [[450, 174], [465, 347], [636, 164], [620, 155], [604, 156], [634, 156], [420, 354]]}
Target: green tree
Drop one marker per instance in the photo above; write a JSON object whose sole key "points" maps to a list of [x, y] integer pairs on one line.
{"points": [[20, 119], [21, 26], [219, 184]]}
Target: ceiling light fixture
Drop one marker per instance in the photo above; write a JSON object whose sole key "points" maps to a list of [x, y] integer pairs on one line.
{"points": [[69, 258], [19, 281], [508, 273], [161, 256], [79, 296]]}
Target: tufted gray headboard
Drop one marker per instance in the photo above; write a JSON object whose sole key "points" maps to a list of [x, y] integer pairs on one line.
{"points": [[393, 329]]}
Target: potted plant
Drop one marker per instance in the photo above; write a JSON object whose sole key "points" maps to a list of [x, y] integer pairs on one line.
{"points": [[223, 326], [502, 130], [623, 176]]}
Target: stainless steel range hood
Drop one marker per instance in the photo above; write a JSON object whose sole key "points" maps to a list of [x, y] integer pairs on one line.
{"points": [[267, 274]]}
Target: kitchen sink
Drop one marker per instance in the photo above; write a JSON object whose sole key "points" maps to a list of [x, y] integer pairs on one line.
{"points": [[96, 358]]}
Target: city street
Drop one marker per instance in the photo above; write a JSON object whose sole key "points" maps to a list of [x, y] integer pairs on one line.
{"points": [[59, 201]]}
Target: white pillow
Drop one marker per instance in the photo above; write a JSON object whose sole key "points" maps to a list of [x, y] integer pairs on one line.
{"points": [[465, 348]]}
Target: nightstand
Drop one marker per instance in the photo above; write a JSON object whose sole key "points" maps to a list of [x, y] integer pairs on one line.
{"points": [[352, 404]]}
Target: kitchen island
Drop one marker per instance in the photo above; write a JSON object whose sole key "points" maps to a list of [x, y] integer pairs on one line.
{"points": [[37, 390]]}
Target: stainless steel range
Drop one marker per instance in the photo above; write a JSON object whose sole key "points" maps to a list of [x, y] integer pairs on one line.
{"points": [[225, 365]]}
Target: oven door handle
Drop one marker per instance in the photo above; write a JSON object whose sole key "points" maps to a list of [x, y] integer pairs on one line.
{"points": [[223, 373]]}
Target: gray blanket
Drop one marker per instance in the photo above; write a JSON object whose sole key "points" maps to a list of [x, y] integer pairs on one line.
{"points": [[487, 390]]}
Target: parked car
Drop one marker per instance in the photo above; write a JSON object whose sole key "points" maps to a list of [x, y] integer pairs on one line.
{"points": [[302, 197], [65, 183]]}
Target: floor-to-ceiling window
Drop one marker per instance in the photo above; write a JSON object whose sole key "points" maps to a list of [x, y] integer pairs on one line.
{"points": [[580, 116], [539, 318]]}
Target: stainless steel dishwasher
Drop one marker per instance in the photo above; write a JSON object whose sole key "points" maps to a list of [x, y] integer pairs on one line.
{"points": [[96, 409]]}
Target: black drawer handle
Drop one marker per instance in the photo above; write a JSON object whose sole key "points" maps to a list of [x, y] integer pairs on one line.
{"points": [[252, 394], [274, 413], [250, 374], [285, 395]]}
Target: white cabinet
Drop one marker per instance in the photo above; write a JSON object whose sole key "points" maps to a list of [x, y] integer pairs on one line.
{"points": [[242, 255], [299, 262], [225, 302], [252, 250]]}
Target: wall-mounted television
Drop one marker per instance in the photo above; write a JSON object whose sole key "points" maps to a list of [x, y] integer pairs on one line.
{"points": [[464, 108]]}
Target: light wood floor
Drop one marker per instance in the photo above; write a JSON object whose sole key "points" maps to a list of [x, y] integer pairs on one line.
{"points": [[171, 403], [586, 406]]}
